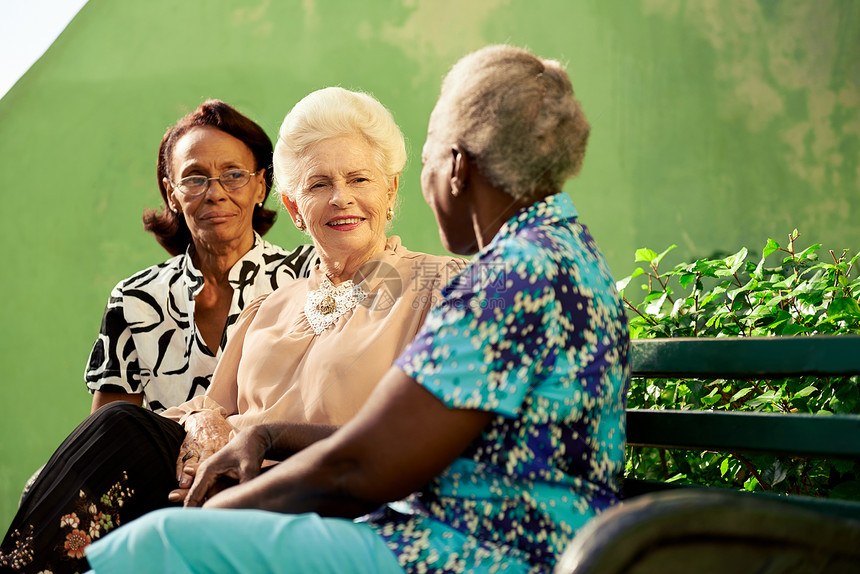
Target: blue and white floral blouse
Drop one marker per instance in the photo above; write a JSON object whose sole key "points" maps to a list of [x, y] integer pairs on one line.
{"points": [[533, 330]]}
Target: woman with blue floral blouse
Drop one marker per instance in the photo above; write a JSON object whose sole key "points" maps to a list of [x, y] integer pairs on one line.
{"points": [[499, 431]]}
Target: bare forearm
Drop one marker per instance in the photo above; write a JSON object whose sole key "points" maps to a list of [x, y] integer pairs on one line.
{"points": [[286, 439], [303, 484], [386, 452], [242, 461]]}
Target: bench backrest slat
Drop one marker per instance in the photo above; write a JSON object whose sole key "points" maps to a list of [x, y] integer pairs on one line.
{"points": [[746, 357], [836, 436]]}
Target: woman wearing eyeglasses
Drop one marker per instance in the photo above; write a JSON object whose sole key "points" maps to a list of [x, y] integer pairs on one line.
{"points": [[165, 327]]}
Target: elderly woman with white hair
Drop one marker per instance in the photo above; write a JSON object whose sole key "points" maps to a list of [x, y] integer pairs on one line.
{"points": [[504, 417], [308, 354]]}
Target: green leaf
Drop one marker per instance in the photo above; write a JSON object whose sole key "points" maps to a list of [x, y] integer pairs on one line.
{"points": [[849, 490], [769, 248], [735, 261], [793, 329], [775, 474], [677, 308], [716, 293], [656, 305], [753, 284], [620, 285], [708, 268], [844, 307], [656, 260], [760, 312], [645, 254], [806, 391], [775, 301], [786, 283], [843, 466], [712, 398], [653, 295], [765, 398], [685, 279], [809, 252], [742, 393]]}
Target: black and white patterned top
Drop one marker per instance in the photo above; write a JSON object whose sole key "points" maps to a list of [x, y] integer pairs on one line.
{"points": [[149, 343]]}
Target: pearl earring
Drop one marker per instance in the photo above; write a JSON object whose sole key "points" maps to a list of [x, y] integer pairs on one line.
{"points": [[300, 224], [389, 214]]}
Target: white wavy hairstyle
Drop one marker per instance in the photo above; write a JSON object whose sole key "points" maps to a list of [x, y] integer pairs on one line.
{"points": [[330, 113]]}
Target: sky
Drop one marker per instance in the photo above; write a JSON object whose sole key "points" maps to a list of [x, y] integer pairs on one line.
{"points": [[27, 29]]}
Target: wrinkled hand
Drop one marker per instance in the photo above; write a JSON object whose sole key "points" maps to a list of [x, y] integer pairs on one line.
{"points": [[185, 480], [206, 433], [238, 462]]}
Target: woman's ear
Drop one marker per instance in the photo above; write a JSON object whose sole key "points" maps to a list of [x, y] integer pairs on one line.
{"points": [[261, 191], [172, 204], [392, 190], [459, 170], [292, 206]]}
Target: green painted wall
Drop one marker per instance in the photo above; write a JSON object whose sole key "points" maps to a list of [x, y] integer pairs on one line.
{"points": [[716, 124]]}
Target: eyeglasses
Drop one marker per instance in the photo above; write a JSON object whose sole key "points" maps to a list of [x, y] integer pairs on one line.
{"points": [[231, 180]]}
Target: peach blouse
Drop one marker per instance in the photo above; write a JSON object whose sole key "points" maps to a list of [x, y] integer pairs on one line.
{"points": [[276, 368]]}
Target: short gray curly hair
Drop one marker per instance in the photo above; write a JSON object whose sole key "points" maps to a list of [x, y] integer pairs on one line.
{"points": [[515, 114], [330, 113]]}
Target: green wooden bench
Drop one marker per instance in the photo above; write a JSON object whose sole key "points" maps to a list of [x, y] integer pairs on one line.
{"points": [[666, 528]]}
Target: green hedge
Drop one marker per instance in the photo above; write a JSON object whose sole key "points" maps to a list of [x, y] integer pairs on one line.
{"points": [[785, 291]]}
